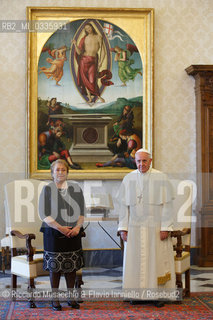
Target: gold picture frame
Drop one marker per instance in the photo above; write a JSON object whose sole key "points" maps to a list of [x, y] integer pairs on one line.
{"points": [[88, 121]]}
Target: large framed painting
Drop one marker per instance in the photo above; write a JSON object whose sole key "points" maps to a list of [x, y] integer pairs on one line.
{"points": [[90, 89]]}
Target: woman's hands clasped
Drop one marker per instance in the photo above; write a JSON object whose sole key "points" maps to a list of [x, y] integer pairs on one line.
{"points": [[69, 231]]}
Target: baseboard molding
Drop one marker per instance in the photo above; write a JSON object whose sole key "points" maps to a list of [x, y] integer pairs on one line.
{"points": [[113, 258], [103, 258]]}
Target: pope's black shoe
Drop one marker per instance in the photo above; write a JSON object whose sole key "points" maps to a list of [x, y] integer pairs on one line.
{"points": [[134, 302], [73, 304]]}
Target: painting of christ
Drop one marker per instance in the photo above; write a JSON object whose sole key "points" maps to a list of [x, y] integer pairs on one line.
{"points": [[92, 103]]}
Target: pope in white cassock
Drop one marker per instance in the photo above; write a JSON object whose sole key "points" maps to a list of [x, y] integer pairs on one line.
{"points": [[145, 220]]}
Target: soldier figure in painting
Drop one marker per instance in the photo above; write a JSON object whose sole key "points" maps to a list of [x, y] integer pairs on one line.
{"points": [[51, 147], [127, 157]]}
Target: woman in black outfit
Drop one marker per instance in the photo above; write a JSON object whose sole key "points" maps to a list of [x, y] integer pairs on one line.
{"points": [[62, 207]]}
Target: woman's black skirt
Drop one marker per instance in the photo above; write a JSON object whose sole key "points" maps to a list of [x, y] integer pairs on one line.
{"points": [[62, 254], [63, 261]]}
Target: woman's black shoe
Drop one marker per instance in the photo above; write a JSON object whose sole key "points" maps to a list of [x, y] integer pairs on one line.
{"points": [[159, 304], [56, 306], [73, 304]]}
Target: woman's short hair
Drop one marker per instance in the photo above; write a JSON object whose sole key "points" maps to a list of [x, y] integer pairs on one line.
{"points": [[56, 162]]}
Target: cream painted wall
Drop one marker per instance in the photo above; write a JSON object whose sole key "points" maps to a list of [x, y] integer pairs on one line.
{"points": [[183, 36]]}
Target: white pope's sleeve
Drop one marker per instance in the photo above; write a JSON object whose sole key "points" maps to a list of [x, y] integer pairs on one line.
{"points": [[123, 218], [123, 206], [167, 217], [167, 211]]}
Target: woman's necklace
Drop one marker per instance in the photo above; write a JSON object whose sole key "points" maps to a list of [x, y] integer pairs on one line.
{"points": [[63, 192], [65, 206], [63, 189]]}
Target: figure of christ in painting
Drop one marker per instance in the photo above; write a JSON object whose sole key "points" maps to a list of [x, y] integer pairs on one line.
{"points": [[90, 54], [55, 71]]}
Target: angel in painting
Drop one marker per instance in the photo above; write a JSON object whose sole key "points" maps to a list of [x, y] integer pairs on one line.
{"points": [[122, 56], [55, 71]]}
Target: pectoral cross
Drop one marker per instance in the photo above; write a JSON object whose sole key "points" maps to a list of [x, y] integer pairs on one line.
{"points": [[140, 197]]}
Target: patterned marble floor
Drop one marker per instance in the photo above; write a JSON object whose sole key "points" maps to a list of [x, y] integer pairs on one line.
{"points": [[201, 279], [111, 278]]}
